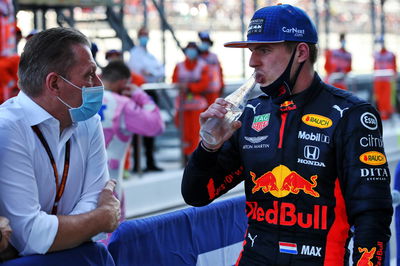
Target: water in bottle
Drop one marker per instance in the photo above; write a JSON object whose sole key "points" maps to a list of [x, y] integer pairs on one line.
{"points": [[214, 129]]}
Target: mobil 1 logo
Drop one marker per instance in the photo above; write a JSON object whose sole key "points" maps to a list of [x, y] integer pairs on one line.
{"points": [[318, 137]]}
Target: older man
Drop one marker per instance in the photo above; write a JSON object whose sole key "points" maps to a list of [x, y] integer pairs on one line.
{"points": [[54, 184]]}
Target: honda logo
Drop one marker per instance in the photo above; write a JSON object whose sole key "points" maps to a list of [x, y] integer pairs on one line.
{"points": [[311, 152]]}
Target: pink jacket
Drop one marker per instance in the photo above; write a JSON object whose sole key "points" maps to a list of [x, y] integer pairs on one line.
{"points": [[122, 117]]}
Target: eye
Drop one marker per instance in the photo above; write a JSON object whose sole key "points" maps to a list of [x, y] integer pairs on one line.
{"points": [[263, 50]]}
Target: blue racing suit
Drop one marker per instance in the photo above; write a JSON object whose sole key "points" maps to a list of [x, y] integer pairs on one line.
{"points": [[313, 167]]}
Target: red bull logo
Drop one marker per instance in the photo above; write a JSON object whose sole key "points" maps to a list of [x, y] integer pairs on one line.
{"points": [[287, 106], [366, 256], [285, 214], [281, 181], [319, 121]]}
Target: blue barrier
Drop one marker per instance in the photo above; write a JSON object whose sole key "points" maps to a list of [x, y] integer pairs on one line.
{"points": [[210, 235], [94, 254]]}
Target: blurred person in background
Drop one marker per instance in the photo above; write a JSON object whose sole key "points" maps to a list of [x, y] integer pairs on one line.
{"points": [[10, 35], [216, 86], [112, 55], [126, 110], [338, 64], [385, 74], [192, 78], [142, 62], [138, 80], [8, 77]]}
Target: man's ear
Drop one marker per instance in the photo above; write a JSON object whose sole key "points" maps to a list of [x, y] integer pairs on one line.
{"points": [[52, 83], [303, 52]]}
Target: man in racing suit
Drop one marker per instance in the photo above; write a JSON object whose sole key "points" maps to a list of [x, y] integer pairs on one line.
{"points": [[311, 156]]}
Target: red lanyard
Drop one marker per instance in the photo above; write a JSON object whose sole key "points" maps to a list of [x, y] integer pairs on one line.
{"points": [[60, 188]]}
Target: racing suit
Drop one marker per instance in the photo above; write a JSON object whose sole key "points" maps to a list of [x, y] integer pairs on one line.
{"points": [[313, 167]]}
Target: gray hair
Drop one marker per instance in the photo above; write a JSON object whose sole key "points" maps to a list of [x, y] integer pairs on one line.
{"points": [[47, 51]]}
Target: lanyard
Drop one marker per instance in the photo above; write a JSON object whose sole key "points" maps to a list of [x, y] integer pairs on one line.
{"points": [[59, 188]]}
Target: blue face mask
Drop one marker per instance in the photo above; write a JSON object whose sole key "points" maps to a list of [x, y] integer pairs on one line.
{"points": [[92, 99], [204, 46], [143, 40], [191, 53]]}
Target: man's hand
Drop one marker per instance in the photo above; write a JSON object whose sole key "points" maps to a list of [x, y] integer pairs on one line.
{"points": [[6, 231], [218, 110], [73, 230], [110, 205]]}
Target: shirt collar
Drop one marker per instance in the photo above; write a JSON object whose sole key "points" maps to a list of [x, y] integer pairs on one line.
{"points": [[30, 107], [308, 94]]}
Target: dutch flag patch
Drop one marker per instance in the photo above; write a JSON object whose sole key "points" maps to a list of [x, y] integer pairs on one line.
{"points": [[286, 247]]}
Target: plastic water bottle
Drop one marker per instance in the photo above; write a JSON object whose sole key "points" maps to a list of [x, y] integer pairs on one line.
{"points": [[214, 129]]}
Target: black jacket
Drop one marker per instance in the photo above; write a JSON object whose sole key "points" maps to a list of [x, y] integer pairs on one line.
{"points": [[315, 171]]}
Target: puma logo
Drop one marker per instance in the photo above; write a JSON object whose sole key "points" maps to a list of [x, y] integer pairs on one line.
{"points": [[253, 107], [252, 239], [340, 110]]}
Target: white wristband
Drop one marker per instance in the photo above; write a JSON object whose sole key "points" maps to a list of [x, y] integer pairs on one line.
{"points": [[207, 149]]}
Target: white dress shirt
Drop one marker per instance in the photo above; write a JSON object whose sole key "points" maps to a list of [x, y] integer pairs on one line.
{"points": [[144, 63], [27, 182]]}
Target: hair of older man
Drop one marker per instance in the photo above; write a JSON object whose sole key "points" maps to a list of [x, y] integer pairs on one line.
{"points": [[47, 51]]}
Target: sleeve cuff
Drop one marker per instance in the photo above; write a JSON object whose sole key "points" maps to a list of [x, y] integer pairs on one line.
{"points": [[42, 235], [207, 149]]}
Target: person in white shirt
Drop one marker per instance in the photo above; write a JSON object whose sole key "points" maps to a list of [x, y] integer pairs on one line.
{"points": [[54, 183], [142, 62]]}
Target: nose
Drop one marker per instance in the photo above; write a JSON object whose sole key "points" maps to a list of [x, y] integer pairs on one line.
{"points": [[97, 81], [254, 60]]}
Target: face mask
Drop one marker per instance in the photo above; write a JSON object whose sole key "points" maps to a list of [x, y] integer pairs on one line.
{"points": [[204, 46], [282, 87], [191, 53], [343, 44], [92, 98], [143, 40]]}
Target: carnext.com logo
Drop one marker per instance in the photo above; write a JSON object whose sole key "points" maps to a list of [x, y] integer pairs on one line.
{"points": [[295, 31]]}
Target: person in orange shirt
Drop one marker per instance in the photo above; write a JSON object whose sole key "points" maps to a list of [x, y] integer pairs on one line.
{"points": [[192, 79], [385, 72], [216, 86], [338, 64], [10, 35], [8, 77]]}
